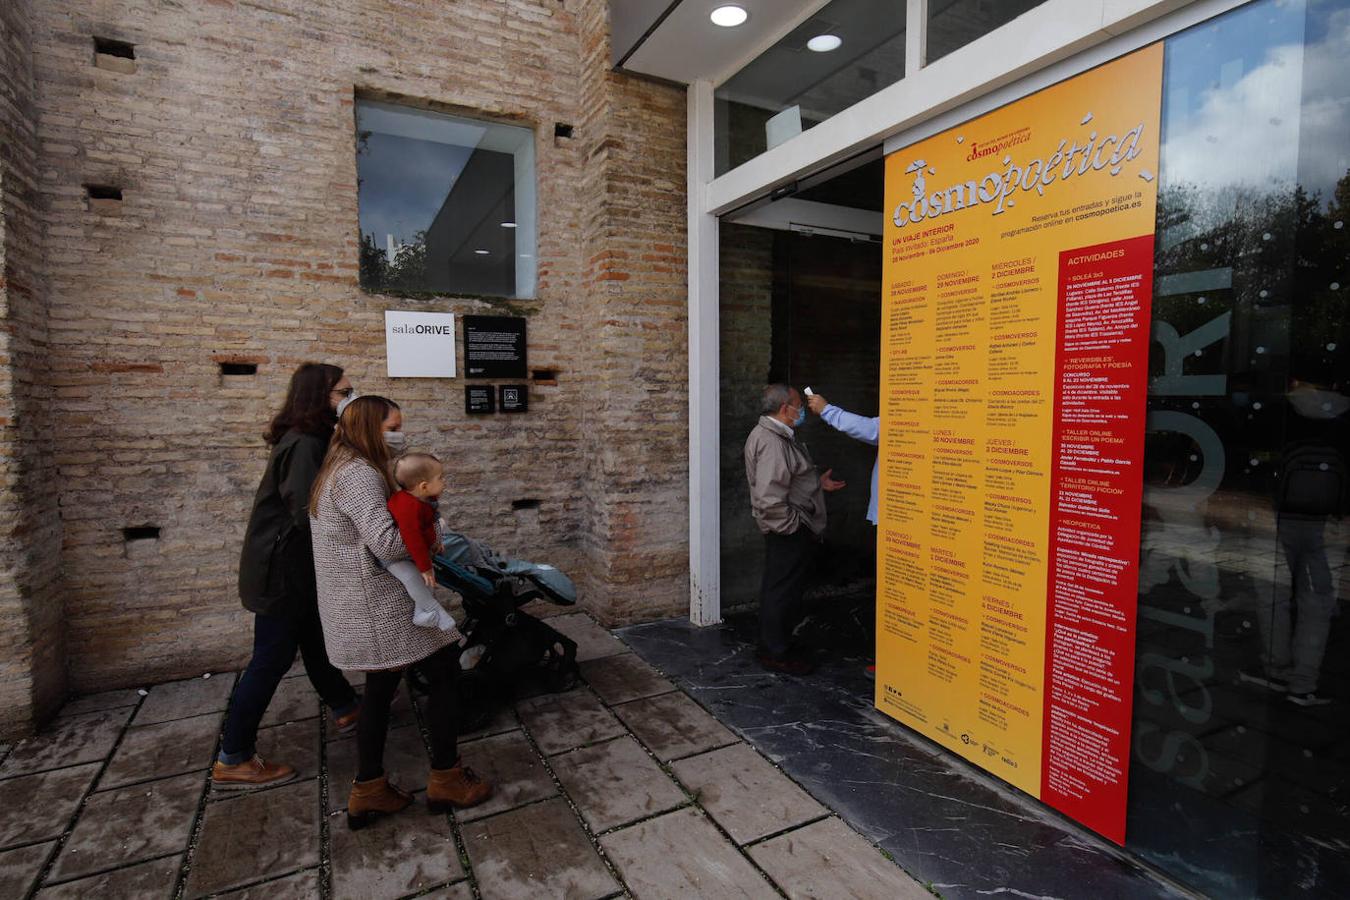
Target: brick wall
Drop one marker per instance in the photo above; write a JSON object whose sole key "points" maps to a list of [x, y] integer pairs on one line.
{"points": [[236, 240], [32, 675]]}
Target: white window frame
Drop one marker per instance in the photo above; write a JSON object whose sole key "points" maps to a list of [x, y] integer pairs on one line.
{"points": [[1054, 41]]}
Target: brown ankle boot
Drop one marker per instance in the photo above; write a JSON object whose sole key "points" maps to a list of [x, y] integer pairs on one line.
{"points": [[457, 786], [372, 799]]}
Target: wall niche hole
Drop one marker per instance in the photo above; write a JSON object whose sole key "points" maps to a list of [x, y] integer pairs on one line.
{"points": [[103, 192], [139, 533], [562, 130], [238, 368], [109, 47], [526, 503], [550, 375]]}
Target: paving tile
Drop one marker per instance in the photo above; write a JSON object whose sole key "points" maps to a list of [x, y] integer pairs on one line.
{"points": [[564, 721], [33, 807], [672, 725], [503, 720], [593, 641], [153, 880], [616, 782], [536, 851], [405, 760], [260, 834], [618, 679], [459, 891], [296, 744], [300, 886], [829, 859], [101, 701], [19, 868], [394, 856], [682, 855], [131, 824], [166, 748], [294, 700], [67, 741], [517, 773], [297, 668], [189, 697], [745, 794]]}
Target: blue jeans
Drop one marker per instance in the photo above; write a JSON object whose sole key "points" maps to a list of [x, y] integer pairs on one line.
{"points": [[275, 641]]}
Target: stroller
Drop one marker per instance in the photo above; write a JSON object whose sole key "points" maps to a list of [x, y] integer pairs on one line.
{"points": [[506, 647]]}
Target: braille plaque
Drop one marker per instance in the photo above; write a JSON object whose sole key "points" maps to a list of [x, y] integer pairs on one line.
{"points": [[514, 398], [494, 347], [479, 398]]}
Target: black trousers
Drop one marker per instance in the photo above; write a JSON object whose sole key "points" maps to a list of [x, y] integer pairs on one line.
{"points": [[441, 669], [788, 561], [275, 640]]}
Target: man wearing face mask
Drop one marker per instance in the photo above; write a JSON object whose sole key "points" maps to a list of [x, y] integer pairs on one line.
{"points": [[787, 500]]}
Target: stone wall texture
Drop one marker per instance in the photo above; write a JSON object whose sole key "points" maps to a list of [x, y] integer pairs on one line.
{"points": [[236, 240]]}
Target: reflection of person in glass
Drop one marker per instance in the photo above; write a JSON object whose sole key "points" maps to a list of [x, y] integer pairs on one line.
{"points": [[1313, 488]]}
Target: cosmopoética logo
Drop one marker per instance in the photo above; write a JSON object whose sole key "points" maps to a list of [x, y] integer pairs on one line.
{"points": [[448, 330]]}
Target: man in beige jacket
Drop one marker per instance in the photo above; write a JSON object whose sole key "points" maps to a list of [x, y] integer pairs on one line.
{"points": [[787, 499]]}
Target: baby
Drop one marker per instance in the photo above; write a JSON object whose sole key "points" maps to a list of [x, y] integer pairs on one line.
{"points": [[422, 479]]}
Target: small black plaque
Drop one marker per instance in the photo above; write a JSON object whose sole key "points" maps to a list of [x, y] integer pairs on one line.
{"points": [[514, 398], [494, 347], [479, 398]]}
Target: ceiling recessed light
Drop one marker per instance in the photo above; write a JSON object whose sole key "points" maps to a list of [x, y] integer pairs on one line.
{"points": [[508, 224], [824, 43], [481, 252], [729, 16]]}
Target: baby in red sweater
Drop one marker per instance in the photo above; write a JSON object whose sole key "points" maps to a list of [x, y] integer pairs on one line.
{"points": [[422, 478]]}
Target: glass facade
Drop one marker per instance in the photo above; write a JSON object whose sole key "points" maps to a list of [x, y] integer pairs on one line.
{"points": [[1241, 757], [954, 23], [447, 205]]}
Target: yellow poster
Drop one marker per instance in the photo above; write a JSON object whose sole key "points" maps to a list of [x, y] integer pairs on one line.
{"points": [[1017, 285]]}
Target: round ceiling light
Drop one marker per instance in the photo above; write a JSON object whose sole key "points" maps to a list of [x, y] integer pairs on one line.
{"points": [[729, 16], [508, 224], [824, 43], [482, 252]]}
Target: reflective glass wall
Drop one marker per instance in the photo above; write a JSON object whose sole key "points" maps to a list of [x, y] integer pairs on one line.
{"points": [[1241, 760]]}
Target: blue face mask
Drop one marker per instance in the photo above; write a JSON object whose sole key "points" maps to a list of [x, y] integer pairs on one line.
{"points": [[801, 417]]}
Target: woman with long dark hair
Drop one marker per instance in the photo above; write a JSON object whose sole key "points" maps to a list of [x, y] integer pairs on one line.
{"points": [[276, 579], [368, 616]]}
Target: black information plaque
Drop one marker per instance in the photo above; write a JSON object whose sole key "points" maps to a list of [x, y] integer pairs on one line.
{"points": [[479, 398], [494, 347], [514, 398]]}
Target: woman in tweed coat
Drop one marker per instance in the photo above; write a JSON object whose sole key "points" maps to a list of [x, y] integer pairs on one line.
{"points": [[367, 615]]}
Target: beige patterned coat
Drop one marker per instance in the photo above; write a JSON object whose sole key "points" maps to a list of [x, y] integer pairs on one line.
{"points": [[366, 612]]}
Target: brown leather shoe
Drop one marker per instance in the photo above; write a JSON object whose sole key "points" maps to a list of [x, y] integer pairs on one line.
{"points": [[347, 724], [374, 798], [458, 786], [250, 774]]}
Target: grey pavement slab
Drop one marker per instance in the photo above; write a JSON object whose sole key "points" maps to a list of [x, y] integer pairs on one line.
{"points": [[99, 702], [393, 857], [153, 880], [618, 679], [503, 720], [67, 741], [672, 726], [296, 744], [593, 641], [294, 700], [745, 794], [536, 851], [263, 833], [19, 868], [460, 891], [189, 697], [513, 767], [298, 886], [405, 761], [616, 782], [829, 859], [681, 855], [34, 807], [131, 824], [565, 721], [162, 749]]}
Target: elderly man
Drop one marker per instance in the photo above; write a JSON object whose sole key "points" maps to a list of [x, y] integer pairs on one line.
{"points": [[787, 499]]}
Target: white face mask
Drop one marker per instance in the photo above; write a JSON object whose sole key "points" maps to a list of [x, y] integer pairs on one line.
{"points": [[346, 402], [395, 439]]}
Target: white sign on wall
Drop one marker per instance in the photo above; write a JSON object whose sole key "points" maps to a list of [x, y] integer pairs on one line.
{"points": [[419, 344]]}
